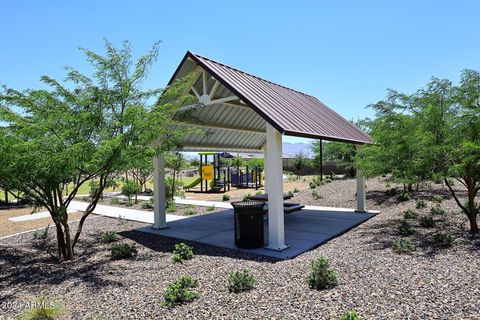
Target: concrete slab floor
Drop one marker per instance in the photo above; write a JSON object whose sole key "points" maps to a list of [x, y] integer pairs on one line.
{"points": [[304, 230]]}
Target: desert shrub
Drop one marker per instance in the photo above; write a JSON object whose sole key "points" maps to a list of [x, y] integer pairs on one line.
{"points": [[179, 291], [42, 308], [239, 281], [290, 193], [444, 240], [437, 211], [320, 183], [402, 245], [109, 237], [321, 275], [225, 197], [147, 205], [182, 252], [420, 204], [351, 315], [316, 195], [258, 193], [313, 185], [427, 222], [391, 192], [246, 196], [121, 220], [437, 178], [115, 201], [410, 214], [189, 206], [328, 180], [211, 208], [405, 229], [404, 196], [171, 207], [190, 212], [120, 251], [40, 234], [296, 190], [437, 198]]}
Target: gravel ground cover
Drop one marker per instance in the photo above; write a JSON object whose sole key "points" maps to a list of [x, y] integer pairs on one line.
{"points": [[430, 283]]}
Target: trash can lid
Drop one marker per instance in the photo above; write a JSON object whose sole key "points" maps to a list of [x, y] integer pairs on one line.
{"points": [[250, 203]]}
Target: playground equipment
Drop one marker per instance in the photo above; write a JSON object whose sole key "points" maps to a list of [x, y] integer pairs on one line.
{"points": [[247, 178], [215, 177]]}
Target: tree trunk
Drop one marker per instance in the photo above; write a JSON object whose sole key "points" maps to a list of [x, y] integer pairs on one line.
{"points": [[62, 249], [473, 223], [472, 213], [6, 197]]}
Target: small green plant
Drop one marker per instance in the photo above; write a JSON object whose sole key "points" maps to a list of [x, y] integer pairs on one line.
{"points": [[246, 196], [115, 201], [402, 245], [41, 234], [179, 291], [258, 193], [42, 308], [410, 214], [313, 185], [321, 275], [427, 222], [316, 195], [296, 190], [391, 192], [171, 207], [437, 211], [290, 193], [239, 281], [444, 240], [328, 180], [131, 188], [420, 204], [120, 251], [121, 220], [404, 196], [109, 237], [190, 212], [405, 229], [182, 252], [225, 197], [437, 198], [388, 185], [211, 208], [146, 205], [189, 206], [351, 315]]}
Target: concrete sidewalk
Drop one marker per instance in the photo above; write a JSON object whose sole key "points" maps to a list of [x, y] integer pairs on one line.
{"points": [[124, 213]]}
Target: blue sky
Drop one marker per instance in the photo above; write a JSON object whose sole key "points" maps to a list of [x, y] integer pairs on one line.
{"points": [[346, 53]]}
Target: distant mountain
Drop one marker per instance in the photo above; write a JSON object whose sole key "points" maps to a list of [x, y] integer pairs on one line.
{"points": [[291, 149]]}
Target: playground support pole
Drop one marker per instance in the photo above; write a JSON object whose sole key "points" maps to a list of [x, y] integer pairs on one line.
{"points": [[229, 178], [201, 166]]}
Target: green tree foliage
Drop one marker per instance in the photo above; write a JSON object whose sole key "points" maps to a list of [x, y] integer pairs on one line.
{"points": [[86, 128], [300, 162], [175, 161], [434, 131], [131, 188]]}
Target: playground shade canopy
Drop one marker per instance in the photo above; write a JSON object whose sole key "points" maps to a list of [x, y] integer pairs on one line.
{"points": [[234, 107]]}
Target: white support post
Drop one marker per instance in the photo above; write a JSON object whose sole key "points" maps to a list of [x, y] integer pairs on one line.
{"points": [[361, 196], [159, 196], [265, 161], [274, 180]]}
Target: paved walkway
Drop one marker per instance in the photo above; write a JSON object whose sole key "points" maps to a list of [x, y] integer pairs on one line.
{"points": [[124, 213], [147, 216]]}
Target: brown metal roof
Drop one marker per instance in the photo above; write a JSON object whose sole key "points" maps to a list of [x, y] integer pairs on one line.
{"points": [[291, 112]]}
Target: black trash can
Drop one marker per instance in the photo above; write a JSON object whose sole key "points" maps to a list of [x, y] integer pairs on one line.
{"points": [[248, 217]]}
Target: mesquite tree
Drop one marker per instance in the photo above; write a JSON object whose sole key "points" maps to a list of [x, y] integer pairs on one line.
{"points": [[435, 131], [83, 129]]}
